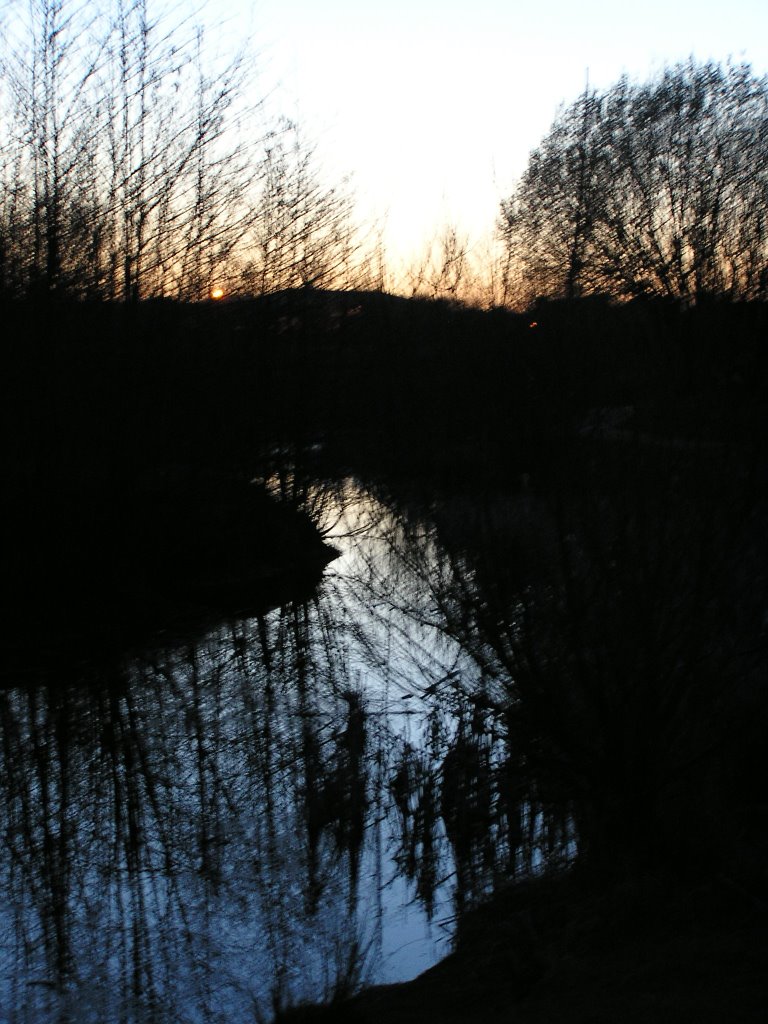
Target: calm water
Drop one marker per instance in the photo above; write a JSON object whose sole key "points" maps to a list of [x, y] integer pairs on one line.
{"points": [[283, 808]]}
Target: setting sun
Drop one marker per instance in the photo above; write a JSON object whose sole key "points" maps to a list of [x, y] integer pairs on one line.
{"points": [[217, 293]]}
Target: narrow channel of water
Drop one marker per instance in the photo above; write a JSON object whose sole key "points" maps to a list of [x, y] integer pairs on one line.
{"points": [[282, 809]]}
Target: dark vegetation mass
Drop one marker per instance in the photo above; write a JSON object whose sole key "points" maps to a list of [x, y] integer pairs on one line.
{"points": [[624, 627], [649, 189]]}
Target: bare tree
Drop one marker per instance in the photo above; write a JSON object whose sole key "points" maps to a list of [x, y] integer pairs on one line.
{"points": [[649, 189], [179, 165], [136, 163], [547, 222], [304, 232], [442, 271], [47, 72]]}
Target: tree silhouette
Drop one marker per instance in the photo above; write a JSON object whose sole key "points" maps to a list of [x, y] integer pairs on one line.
{"points": [[135, 164], [653, 189], [303, 232]]}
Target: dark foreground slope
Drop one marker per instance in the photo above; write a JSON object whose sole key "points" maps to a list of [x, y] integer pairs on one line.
{"points": [[560, 951]]}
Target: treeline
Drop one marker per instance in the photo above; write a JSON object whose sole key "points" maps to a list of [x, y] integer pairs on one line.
{"points": [[407, 386], [135, 163]]}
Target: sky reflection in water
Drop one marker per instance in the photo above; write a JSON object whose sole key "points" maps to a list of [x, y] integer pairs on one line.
{"points": [[242, 821], [281, 810]]}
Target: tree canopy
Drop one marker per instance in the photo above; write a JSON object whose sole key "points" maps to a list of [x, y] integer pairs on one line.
{"points": [[649, 189]]}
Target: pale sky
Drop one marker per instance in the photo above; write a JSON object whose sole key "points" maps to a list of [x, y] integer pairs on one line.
{"points": [[433, 105]]}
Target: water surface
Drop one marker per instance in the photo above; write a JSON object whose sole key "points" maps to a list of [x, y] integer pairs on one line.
{"points": [[281, 809]]}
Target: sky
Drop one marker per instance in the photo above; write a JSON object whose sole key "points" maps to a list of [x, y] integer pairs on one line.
{"points": [[432, 106]]}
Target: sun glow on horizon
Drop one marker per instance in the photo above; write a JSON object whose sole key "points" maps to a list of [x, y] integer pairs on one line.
{"points": [[443, 136], [217, 293]]}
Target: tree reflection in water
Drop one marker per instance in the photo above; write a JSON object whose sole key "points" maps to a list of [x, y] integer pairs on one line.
{"points": [[464, 796], [220, 828]]}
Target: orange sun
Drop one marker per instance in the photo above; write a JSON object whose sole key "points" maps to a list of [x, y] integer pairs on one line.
{"points": [[217, 293]]}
